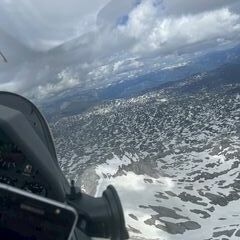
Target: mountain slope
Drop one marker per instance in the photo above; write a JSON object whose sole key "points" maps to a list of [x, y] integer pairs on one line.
{"points": [[173, 154]]}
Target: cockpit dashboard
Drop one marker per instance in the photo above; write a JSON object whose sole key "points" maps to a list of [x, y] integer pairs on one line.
{"points": [[17, 171]]}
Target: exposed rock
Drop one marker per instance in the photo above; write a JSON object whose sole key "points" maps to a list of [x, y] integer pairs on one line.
{"points": [[167, 212], [211, 209], [180, 228], [227, 233], [191, 198], [237, 234], [148, 180], [170, 193], [133, 216], [203, 213], [161, 195], [134, 230]]}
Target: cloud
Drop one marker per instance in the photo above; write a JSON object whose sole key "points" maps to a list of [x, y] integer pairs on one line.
{"points": [[152, 32], [65, 81], [185, 7], [116, 40], [38, 22]]}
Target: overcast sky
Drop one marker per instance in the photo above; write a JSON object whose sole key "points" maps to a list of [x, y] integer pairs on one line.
{"points": [[121, 35]]}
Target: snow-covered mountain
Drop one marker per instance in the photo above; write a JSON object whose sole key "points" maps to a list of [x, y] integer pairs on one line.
{"points": [[172, 153], [78, 99]]}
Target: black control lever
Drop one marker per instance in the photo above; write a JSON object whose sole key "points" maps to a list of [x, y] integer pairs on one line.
{"points": [[100, 217]]}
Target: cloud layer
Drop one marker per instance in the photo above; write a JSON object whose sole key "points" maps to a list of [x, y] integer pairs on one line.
{"points": [[152, 32], [117, 40], [42, 24]]}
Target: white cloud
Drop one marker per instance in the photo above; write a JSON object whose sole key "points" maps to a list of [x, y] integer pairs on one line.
{"points": [[41, 21], [65, 81], [185, 7], [168, 34]]}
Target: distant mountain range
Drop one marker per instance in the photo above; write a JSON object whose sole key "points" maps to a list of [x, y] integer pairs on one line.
{"points": [[209, 69]]}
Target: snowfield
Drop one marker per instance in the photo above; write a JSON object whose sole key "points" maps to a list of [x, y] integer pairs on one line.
{"points": [[174, 159]]}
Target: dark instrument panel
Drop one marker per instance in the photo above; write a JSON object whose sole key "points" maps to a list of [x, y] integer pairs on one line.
{"points": [[15, 169]]}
